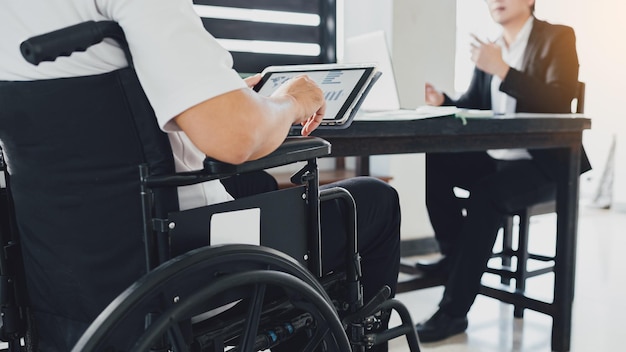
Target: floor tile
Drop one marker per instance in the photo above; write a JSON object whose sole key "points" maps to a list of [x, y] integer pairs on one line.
{"points": [[598, 304]]}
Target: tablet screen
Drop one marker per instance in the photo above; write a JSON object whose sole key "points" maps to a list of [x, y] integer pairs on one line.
{"points": [[341, 85]]}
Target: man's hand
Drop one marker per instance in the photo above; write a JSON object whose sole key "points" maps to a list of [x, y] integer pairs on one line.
{"points": [[253, 80], [432, 96], [308, 95], [488, 57]]}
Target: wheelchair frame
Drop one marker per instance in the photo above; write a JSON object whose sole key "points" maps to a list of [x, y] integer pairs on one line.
{"points": [[359, 317]]}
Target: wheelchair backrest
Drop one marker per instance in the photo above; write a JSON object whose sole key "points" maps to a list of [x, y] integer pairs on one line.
{"points": [[73, 147]]}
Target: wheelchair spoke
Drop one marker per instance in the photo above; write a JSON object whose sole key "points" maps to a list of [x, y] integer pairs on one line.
{"points": [[239, 328], [316, 339], [176, 338], [254, 315]]}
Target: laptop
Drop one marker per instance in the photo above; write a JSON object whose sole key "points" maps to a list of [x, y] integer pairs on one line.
{"points": [[372, 47], [345, 87], [383, 102]]}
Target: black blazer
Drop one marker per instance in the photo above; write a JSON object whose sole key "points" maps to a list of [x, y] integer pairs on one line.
{"points": [[546, 83]]}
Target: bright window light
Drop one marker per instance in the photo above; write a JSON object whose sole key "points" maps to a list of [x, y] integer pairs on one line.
{"points": [[231, 13], [269, 47]]}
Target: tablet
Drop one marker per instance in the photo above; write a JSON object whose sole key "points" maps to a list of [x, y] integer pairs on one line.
{"points": [[344, 86]]}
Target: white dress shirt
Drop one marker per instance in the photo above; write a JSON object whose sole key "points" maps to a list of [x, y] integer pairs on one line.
{"points": [[178, 63], [501, 103]]}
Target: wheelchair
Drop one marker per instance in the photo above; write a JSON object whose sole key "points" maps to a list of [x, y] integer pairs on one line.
{"points": [[73, 240]]}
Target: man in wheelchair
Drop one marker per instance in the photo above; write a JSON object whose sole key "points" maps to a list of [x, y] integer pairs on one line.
{"points": [[61, 134]]}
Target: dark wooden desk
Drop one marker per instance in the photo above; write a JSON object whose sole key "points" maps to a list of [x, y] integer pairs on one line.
{"points": [[448, 134]]}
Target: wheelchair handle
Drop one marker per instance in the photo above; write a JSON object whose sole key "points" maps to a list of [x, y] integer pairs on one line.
{"points": [[65, 41]]}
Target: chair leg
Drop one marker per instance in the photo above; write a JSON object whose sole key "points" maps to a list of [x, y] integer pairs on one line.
{"points": [[507, 247], [521, 273]]}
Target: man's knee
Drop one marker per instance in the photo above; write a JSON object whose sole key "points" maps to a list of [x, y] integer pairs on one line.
{"points": [[369, 185], [372, 195]]}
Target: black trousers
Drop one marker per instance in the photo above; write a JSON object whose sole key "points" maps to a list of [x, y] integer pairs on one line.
{"points": [[466, 229], [378, 227]]}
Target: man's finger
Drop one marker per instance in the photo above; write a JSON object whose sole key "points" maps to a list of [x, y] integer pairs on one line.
{"points": [[478, 40]]}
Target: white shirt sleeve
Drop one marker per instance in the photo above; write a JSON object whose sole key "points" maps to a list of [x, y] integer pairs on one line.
{"points": [[179, 64]]}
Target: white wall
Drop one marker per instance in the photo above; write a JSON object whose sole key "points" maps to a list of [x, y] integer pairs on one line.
{"points": [[421, 35], [364, 16], [619, 189], [599, 27]]}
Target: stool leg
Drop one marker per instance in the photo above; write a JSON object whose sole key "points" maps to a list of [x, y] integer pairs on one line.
{"points": [[522, 258], [507, 247]]}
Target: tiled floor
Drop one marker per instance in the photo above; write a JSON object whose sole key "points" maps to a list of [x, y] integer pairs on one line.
{"points": [[599, 303]]}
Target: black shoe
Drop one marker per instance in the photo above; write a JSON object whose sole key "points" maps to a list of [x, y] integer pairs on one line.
{"points": [[440, 326], [440, 265]]}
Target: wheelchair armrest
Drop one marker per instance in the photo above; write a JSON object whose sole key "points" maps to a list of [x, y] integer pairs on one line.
{"points": [[292, 150]]}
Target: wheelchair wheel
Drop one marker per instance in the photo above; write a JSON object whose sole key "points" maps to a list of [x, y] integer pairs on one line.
{"points": [[256, 298]]}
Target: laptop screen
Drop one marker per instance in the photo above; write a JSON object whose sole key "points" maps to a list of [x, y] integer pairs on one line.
{"points": [[372, 47]]}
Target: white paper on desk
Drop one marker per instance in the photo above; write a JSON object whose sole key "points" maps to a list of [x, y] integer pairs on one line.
{"points": [[543, 115], [240, 226], [437, 111], [425, 112], [474, 113]]}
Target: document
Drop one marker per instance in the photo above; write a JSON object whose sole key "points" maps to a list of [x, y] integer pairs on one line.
{"points": [[422, 112], [474, 113]]}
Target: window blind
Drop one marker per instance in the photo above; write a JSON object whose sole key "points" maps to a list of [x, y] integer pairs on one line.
{"points": [[260, 33]]}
